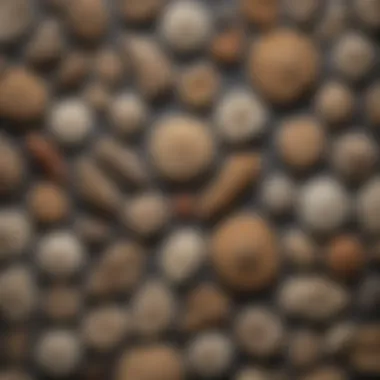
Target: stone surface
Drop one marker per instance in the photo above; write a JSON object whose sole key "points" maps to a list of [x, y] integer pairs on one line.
{"points": [[372, 104], [244, 252], [368, 206], [263, 14], [283, 65], [181, 147], [140, 11], [368, 11], [23, 95], [227, 46], [305, 348]]}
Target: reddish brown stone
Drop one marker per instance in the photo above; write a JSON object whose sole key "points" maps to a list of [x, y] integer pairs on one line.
{"points": [[227, 46], [262, 13]]}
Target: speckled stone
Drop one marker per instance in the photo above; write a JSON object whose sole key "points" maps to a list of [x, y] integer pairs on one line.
{"points": [[154, 298], [181, 147], [314, 298], [140, 11], [87, 19], [283, 65], [237, 173], [240, 116], [259, 332], [210, 354], [339, 338], [235, 256], [345, 256], [198, 85], [151, 362], [108, 67], [263, 14], [16, 16], [23, 95], [12, 167], [186, 26], [118, 270], [206, 307], [324, 205], [335, 102], [48, 203], [368, 206], [301, 142], [97, 96], [227, 45], [58, 352]]}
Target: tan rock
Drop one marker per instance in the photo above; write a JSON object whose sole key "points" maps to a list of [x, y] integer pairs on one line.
{"points": [[326, 373], [61, 303], [154, 362], [244, 252], [283, 65], [263, 14], [118, 270], [95, 188], [73, 69], [301, 142], [87, 19], [237, 173], [48, 203], [206, 307], [181, 147], [140, 11], [227, 46], [23, 95], [108, 67]]}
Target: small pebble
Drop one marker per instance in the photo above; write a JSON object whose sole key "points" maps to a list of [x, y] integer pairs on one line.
{"points": [[206, 306], [368, 206], [338, 338], [368, 12], [240, 116], [353, 56], [283, 65], [235, 256], [15, 232], [305, 348], [61, 303], [302, 11], [87, 19], [48, 157], [97, 96], [147, 214], [108, 67], [92, 230], [326, 373], [236, 174], [368, 299], [14, 375], [278, 194], [12, 167], [152, 362], [23, 95], [181, 147], [105, 327], [263, 14], [335, 102], [259, 332], [324, 205], [153, 308], [186, 26], [47, 44], [299, 249], [312, 298], [71, 121], [372, 104], [227, 46], [60, 254], [58, 352], [95, 189], [182, 255], [72, 70], [16, 344], [118, 270], [140, 11], [18, 293], [345, 256], [123, 162], [48, 203], [128, 114], [301, 142], [16, 16], [198, 85], [210, 354], [152, 68]]}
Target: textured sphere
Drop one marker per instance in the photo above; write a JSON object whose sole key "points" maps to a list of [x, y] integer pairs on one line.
{"points": [[324, 204], [240, 116], [181, 148], [186, 26]]}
